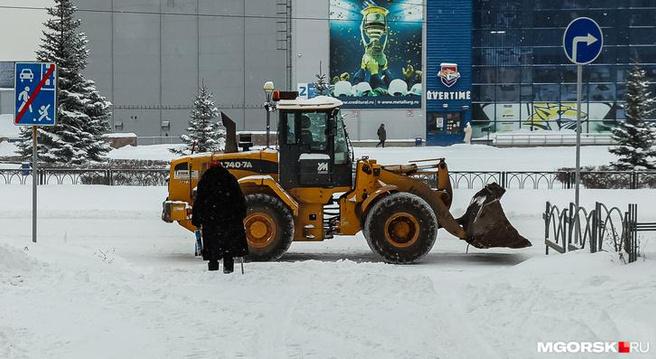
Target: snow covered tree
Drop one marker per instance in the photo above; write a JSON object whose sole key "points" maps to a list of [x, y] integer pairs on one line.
{"points": [[82, 113], [635, 136], [204, 135]]}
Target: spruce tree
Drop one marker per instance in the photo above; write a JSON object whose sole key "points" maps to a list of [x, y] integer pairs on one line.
{"points": [[82, 113], [321, 85], [635, 136], [203, 133]]}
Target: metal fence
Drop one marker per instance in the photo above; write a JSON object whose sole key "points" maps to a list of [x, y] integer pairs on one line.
{"points": [[549, 138], [459, 179], [602, 228], [547, 179], [109, 177]]}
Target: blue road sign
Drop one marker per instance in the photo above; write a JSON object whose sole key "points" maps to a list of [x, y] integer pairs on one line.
{"points": [[583, 41], [36, 94]]}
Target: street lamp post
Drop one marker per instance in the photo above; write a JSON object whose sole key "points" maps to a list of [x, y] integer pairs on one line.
{"points": [[268, 90]]}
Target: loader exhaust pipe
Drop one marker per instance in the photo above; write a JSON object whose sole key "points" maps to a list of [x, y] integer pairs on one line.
{"points": [[485, 223]]}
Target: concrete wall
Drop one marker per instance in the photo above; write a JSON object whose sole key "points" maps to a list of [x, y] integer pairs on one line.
{"points": [[312, 45], [149, 56], [6, 101]]}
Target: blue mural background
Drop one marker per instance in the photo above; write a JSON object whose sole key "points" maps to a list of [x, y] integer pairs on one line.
{"points": [[403, 52]]}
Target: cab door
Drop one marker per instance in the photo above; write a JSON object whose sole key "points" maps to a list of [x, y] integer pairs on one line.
{"points": [[308, 146]]}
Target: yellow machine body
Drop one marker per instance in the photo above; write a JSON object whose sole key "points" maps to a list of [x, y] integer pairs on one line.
{"points": [[310, 192]]}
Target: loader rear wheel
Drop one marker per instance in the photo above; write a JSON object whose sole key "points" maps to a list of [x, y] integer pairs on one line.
{"points": [[401, 228], [269, 227]]}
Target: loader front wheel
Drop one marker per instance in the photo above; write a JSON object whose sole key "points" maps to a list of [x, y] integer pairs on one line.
{"points": [[401, 228], [269, 227]]}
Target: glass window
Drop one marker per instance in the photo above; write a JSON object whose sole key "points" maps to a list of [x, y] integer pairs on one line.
{"points": [[527, 75], [599, 73], [568, 93], [341, 147], [508, 93], [569, 73], [483, 92], [621, 91], [546, 37], [549, 55], [526, 93], [602, 92], [643, 35], [509, 74], [645, 54], [313, 130], [484, 74], [546, 74], [546, 92], [291, 129]]}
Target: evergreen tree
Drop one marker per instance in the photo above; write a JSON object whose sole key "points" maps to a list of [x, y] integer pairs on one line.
{"points": [[82, 113], [321, 85], [635, 136], [204, 135]]}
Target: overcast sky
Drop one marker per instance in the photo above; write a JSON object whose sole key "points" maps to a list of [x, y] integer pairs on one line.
{"points": [[20, 30]]}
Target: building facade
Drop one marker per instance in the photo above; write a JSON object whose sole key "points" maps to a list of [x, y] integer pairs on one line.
{"points": [[495, 64], [522, 79], [149, 57]]}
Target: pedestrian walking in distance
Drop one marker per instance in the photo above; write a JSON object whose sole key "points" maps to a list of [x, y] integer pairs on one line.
{"points": [[382, 135], [219, 211]]}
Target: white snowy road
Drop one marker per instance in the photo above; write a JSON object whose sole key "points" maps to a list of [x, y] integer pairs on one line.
{"points": [[109, 279]]}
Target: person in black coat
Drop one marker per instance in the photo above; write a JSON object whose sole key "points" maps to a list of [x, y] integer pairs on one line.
{"points": [[382, 135], [219, 210]]}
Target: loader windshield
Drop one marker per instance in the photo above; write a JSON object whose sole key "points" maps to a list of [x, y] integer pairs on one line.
{"points": [[313, 130]]}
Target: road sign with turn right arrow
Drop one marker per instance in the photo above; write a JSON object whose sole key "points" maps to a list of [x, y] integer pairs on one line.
{"points": [[583, 41]]}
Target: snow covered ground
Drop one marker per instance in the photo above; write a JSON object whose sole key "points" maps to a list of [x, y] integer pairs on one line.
{"points": [[459, 157], [109, 279]]}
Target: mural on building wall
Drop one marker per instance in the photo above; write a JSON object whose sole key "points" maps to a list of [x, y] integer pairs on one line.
{"points": [[376, 53], [544, 116]]}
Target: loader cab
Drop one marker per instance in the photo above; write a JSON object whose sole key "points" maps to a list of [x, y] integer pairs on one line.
{"points": [[313, 144]]}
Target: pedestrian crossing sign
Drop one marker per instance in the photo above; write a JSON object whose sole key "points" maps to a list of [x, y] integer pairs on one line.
{"points": [[36, 94]]}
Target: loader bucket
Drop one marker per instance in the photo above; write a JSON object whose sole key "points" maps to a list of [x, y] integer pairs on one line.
{"points": [[485, 223]]}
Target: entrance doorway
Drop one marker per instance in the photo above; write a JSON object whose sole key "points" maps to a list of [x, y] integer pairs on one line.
{"points": [[444, 128]]}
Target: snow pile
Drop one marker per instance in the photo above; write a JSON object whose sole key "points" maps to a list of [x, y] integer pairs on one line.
{"points": [[7, 149], [120, 135], [152, 152]]}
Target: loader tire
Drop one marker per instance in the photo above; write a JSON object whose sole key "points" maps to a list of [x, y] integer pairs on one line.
{"points": [[401, 228], [269, 227]]}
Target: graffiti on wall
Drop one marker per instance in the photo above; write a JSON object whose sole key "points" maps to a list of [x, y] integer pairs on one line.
{"points": [[544, 116]]}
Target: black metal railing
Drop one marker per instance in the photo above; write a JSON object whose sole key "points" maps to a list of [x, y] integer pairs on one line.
{"points": [[109, 177], [545, 179], [156, 176], [602, 228]]}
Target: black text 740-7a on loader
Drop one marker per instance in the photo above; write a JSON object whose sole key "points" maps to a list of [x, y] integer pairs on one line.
{"points": [[311, 188]]}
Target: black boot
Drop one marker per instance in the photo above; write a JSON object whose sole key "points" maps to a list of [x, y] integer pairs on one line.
{"points": [[213, 265], [228, 265]]}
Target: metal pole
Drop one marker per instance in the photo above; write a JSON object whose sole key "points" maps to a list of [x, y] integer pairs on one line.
{"points": [[34, 182], [579, 85], [268, 119]]}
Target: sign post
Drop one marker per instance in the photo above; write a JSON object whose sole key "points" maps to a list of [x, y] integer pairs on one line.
{"points": [[583, 41], [36, 105]]}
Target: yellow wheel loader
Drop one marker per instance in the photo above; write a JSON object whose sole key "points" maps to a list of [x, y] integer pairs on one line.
{"points": [[311, 188]]}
